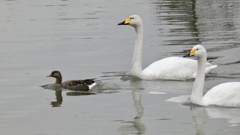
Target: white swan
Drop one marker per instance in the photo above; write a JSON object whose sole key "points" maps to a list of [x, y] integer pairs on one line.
{"points": [[225, 94], [171, 68]]}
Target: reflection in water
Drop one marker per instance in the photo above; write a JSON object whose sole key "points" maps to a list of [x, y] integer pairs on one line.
{"points": [[231, 114], [211, 22], [59, 99], [137, 96], [136, 125], [198, 119], [58, 94], [79, 93], [178, 21]]}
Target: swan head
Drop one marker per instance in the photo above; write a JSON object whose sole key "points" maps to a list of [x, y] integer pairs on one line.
{"points": [[133, 20], [197, 51]]}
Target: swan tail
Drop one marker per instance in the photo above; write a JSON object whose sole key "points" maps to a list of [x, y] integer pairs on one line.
{"points": [[214, 66], [210, 67]]}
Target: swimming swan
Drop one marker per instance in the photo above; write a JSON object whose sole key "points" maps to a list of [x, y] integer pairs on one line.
{"points": [[225, 94], [171, 68]]}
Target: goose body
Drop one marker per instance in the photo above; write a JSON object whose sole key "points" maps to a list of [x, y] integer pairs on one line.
{"points": [[225, 94], [171, 68], [76, 85]]}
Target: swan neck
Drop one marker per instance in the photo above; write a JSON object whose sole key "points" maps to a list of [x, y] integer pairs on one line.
{"points": [[197, 91], [137, 56]]}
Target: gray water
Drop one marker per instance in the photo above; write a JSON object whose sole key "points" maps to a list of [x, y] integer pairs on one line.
{"points": [[82, 40]]}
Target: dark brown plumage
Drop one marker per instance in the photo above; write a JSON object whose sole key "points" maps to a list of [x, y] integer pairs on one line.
{"points": [[77, 85]]}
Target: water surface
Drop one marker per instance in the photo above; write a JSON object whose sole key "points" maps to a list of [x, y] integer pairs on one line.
{"points": [[82, 40]]}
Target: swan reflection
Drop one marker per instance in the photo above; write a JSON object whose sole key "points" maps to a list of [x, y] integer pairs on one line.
{"points": [[198, 119], [231, 114], [136, 126], [137, 96]]}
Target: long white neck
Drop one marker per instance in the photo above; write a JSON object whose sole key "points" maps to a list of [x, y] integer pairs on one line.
{"points": [[197, 91], [137, 56]]}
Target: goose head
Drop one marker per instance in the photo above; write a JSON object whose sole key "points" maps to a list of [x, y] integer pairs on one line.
{"points": [[198, 51], [133, 20], [56, 74]]}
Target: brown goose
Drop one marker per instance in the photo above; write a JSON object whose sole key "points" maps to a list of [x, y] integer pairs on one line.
{"points": [[77, 85]]}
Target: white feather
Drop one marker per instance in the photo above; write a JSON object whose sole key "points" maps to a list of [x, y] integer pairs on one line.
{"points": [[225, 94], [172, 68], [92, 85]]}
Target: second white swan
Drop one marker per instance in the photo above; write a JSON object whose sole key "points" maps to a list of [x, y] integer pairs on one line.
{"points": [[225, 94], [171, 68]]}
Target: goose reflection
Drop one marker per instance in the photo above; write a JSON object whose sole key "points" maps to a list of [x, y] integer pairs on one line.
{"points": [[136, 126], [59, 99], [58, 94]]}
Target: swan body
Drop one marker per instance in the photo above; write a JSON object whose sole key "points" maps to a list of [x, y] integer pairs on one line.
{"points": [[171, 68], [225, 94], [174, 68]]}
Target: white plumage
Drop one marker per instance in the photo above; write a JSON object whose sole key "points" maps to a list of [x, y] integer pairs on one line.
{"points": [[171, 68], [174, 68], [225, 94]]}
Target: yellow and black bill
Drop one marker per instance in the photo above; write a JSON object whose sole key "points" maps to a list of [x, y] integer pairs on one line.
{"points": [[126, 22], [190, 54]]}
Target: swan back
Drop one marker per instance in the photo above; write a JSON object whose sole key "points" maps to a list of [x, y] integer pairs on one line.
{"points": [[225, 94], [174, 68]]}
